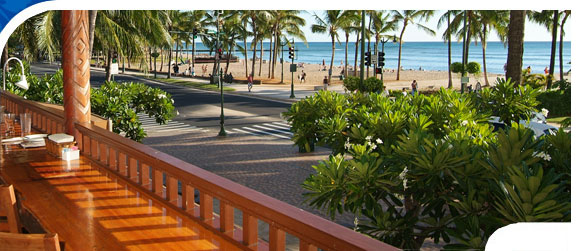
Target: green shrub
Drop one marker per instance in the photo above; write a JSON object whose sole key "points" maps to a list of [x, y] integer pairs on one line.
{"points": [[474, 68], [456, 67], [351, 83], [557, 102], [371, 84], [419, 167]]}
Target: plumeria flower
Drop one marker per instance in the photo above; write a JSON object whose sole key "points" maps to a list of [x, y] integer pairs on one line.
{"points": [[378, 140], [347, 145], [545, 112], [465, 123], [368, 138]]}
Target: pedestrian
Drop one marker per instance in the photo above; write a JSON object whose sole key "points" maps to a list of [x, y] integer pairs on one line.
{"points": [[414, 87], [250, 82], [176, 69], [303, 76], [529, 70], [546, 71], [325, 83], [192, 71], [404, 92]]}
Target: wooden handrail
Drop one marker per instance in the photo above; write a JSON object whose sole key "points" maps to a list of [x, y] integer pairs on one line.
{"points": [[49, 112], [309, 228]]}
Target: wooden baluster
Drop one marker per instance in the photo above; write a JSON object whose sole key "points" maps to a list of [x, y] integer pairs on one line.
{"points": [[306, 246], [103, 153], [250, 231], [188, 195], [276, 238], [145, 177], [206, 204], [172, 190], [227, 218], [112, 162], [86, 145], [94, 148], [122, 168], [133, 171], [158, 182]]}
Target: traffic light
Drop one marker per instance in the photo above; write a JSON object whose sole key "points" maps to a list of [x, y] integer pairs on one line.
{"points": [[381, 59], [368, 58], [378, 70], [291, 53], [195, 32], [220, 53]]}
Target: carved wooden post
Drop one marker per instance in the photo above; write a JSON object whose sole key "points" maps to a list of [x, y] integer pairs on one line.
{"points": [[76, 69]]}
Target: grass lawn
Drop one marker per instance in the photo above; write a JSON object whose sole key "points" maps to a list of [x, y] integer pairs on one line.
{"points": [[557, 119], [204, 86]]}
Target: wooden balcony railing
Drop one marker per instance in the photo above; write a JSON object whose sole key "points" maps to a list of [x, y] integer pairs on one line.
{"points": [[178, 183], [48, 118]]}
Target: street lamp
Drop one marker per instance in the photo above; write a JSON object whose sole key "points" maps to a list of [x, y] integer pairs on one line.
{"points": [[222, 132], [22, 83], [292, 57]]}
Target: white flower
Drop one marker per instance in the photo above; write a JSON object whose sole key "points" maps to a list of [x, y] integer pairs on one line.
{"points": [[372, 146], [172, 101], [465, 123], [402, 177], [378, 140], [542, 155], [545, 112], [368, 138], [347, 145]]}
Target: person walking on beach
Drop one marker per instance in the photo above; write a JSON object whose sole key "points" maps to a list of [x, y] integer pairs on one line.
{"points": [[529, 70], [325, 83], [546, 71], [414, 87], [302, 76], [404, 92], [250, 82]]}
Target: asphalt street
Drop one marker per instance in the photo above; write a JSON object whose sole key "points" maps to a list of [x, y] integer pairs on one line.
{"points": [[202, 108]]}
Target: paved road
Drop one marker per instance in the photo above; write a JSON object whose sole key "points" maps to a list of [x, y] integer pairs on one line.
{"points": [[243, 114]]}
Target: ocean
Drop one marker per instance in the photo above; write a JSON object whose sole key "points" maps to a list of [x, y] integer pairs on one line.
{"points": [[427, 55]]}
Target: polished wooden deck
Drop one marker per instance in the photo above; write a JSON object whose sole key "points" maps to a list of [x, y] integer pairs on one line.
{"points": [[91, 208]]}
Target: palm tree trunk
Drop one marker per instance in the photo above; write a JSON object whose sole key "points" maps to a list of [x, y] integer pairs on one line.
{"points": [[450, 84], [469, 37], [261, 58], [561, 46], [368, 50], [346, 50], [375, 51], [270, 54], [553, 52], [254, 45], [356, 55], [4, 55], [162, 61], [170, 59], [275, 55], [515, 45], [245, 52], [108, 65], [91, 25], [484, 44], [332, 58], [399, 52], [150, 59]]}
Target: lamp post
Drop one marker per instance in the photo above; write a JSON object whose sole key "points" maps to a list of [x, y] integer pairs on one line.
{"points": [[292, 72], [22, 83], [362, 47], [222, 132]]}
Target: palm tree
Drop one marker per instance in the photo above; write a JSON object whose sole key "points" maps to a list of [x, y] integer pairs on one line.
{"points": [[330, 23], [515, 45], [382, 23], [447, 16], [349, 26], [565, 15], [490, 19], [546, 18], [407, 17], [285, 23]]}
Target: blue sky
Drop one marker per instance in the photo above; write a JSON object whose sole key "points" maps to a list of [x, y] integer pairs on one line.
{"points": [[534, 32]]}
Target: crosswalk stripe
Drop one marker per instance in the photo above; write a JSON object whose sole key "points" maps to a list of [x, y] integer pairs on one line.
{"points": [[268, 133], [282, 124], [271, 129], [243, 131], [277, 126]]}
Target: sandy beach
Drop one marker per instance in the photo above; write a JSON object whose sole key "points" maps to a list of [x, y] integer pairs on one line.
{"points": [[315, 74]]}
